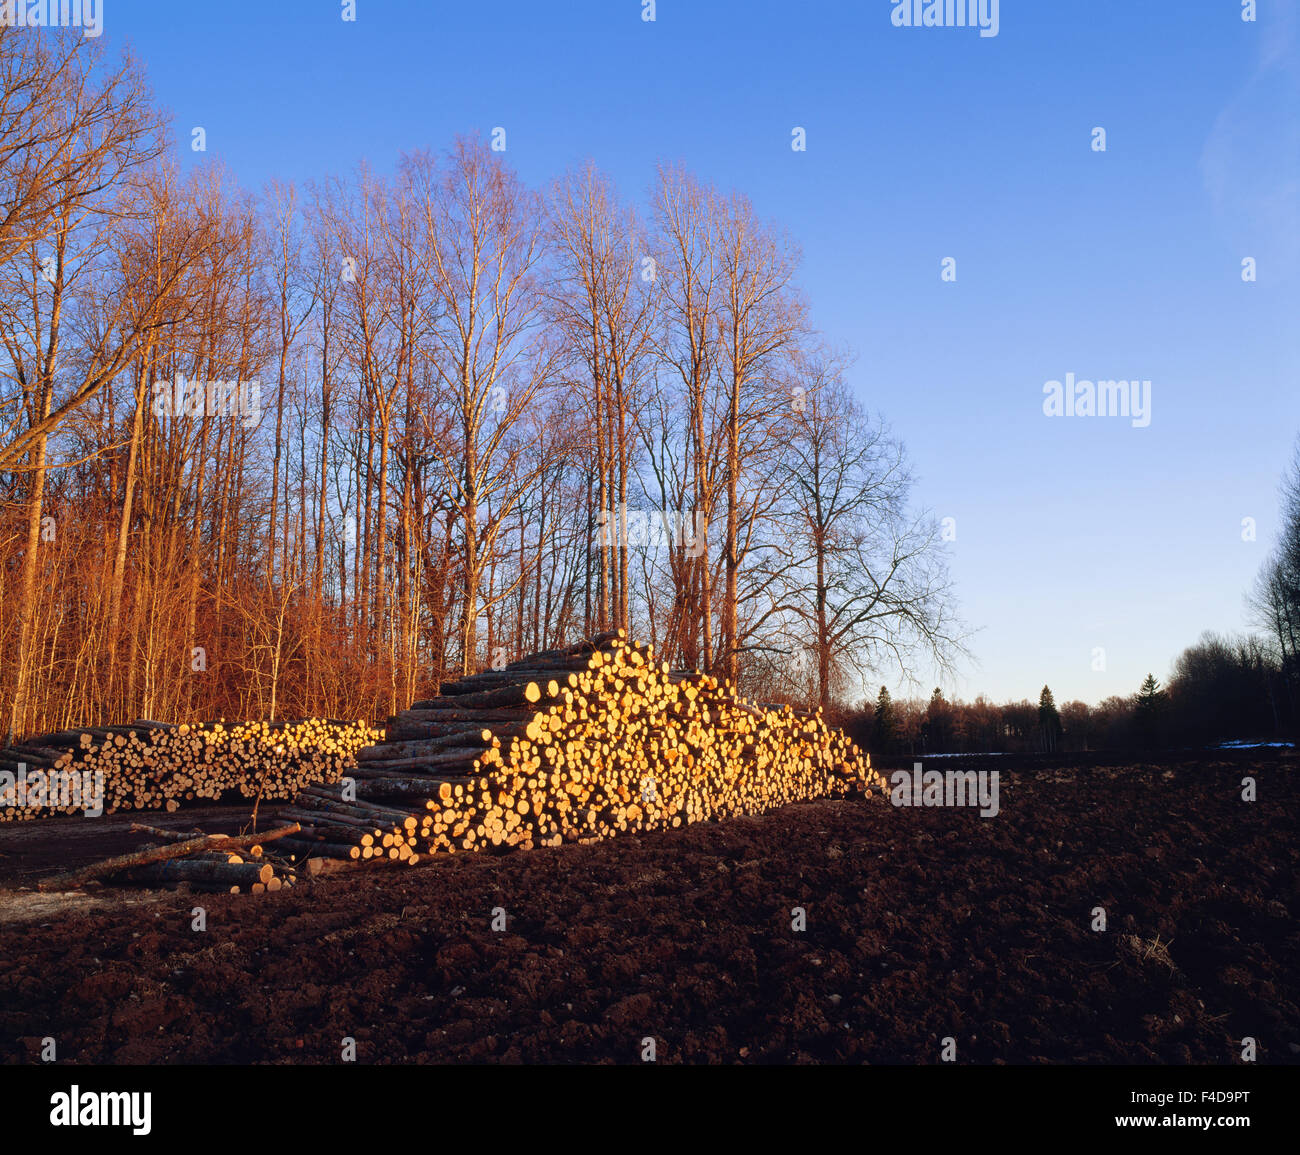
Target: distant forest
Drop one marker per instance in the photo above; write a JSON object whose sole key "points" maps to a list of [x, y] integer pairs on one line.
{"points": [[1222, 689]]}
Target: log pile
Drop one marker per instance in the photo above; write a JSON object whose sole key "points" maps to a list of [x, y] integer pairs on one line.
{"points": [[151, 765], [221, 863], [572, 745]]}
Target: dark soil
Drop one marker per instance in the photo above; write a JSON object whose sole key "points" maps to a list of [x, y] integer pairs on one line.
{"points": [[921, 925]]}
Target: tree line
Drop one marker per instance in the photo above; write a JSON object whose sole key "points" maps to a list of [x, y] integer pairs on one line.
{"points": [[313, 450], [1221, 689]]}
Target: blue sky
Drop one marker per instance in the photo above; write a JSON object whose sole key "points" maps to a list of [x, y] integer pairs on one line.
{"points": [[922, 144]]}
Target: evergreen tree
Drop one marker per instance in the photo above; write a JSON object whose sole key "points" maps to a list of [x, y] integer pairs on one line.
{"points": [[1049, 720], [1149, 710], [936, 730], [885, 727]]}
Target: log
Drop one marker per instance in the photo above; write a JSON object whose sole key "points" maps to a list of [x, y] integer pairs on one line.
{"points": [[521, 694], [189, 870], [471, 734], [451, 756], [169, 835], [326, 849], [159, 854]]}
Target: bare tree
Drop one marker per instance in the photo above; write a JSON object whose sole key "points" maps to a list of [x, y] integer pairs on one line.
{"points": [[75, 139], [687, 345], [868, 580], [1274, 600], [761, 321], [483, 244], [606, 316]]}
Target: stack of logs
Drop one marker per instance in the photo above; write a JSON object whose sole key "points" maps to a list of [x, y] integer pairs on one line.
{"points": [[572, 745], [220, 863], [150, 765]]}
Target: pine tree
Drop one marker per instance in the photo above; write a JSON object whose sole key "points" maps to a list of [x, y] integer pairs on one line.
{"points": [[1049, 720], [936, 730], [884, 728], [1149, 709]]}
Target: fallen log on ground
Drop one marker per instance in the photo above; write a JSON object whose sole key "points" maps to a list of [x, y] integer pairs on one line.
{"points": [[108, 866]]}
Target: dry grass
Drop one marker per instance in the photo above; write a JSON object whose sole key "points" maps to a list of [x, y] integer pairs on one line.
{"points": [[1149, 950]]}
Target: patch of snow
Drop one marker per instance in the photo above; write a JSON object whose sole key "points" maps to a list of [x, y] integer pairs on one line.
{"points": [[1241, 745], [991, 754]]}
